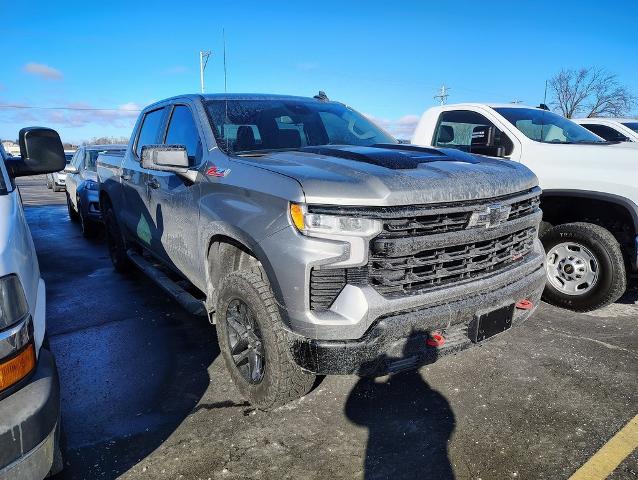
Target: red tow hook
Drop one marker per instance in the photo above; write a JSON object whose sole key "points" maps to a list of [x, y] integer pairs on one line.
{"points": [[524, 304], [436, 339]]}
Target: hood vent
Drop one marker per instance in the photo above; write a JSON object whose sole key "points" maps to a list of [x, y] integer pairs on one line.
{"points": [[392, 156]]}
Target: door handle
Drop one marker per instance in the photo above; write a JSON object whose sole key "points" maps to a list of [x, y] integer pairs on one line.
{"points": [[126, 177], [153, 183]]}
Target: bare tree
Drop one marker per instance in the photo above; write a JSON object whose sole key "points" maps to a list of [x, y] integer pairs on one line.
{"points": [[106, 141], [592, 92]]}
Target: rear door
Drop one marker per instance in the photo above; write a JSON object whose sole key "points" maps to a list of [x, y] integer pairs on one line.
{"points": [[136, 217], [173, 202]]}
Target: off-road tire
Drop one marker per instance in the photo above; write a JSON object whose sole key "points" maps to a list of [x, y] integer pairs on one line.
{"points": [[612, 277], [283, 380], [115, 241], [73, 215]]}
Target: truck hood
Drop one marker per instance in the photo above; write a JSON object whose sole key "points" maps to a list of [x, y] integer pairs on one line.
{"points": [[395, 174]]}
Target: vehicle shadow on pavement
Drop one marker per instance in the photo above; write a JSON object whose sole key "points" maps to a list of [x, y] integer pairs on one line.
{"points": [[409, 425]]}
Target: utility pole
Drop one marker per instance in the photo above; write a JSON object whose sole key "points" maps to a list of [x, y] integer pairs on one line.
{"points": [[442, 96], [203, 61]]}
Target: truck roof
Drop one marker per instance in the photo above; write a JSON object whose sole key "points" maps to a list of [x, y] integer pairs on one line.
{"points": [[234, 96], [490, 105], [598, 119]]}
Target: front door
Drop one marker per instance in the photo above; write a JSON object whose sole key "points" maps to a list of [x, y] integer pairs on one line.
{"points": [[173, 200], [72, 179]]}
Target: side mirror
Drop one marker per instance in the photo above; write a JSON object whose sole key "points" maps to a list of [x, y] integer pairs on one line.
{"points": [[71, 169], [41, 152], [167, 158]]}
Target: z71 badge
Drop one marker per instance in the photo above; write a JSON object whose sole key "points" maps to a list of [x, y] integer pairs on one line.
{"points": [[217, 172]]}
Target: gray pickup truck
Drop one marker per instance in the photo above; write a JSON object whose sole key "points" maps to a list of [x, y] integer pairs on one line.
{"points": [[315, 241]]}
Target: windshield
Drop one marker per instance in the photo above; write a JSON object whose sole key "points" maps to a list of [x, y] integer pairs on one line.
{"points": [[248, 127], [632, 125], [547, 127]]}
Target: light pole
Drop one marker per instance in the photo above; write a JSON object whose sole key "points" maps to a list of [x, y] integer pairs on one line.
{"points": [[203, 60]]}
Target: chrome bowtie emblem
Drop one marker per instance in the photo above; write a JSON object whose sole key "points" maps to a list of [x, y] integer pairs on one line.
{"points": [[491, 216]]}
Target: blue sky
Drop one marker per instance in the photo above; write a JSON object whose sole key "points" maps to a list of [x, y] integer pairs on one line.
{"points": [[385, 59]]}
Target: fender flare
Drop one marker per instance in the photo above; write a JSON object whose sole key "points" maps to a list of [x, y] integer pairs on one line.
{"points": [[242, 238]]}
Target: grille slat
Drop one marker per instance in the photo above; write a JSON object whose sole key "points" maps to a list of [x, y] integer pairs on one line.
{"points": [[426, 246], [406, 277]]}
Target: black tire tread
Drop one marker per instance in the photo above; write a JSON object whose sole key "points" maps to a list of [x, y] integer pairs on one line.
{"points": [[289, 381], [614, 251], [121, 263]]}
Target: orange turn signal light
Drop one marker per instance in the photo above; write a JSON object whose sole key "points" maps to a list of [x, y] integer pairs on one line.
{"points": [[18, 367], [296, 214]]}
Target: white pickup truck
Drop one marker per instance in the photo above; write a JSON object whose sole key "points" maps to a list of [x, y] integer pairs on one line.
{"points": [[612, 129], [590, 191]]}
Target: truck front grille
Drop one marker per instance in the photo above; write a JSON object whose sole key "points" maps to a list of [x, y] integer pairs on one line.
{"points": [[404, 275], [427, 246]]}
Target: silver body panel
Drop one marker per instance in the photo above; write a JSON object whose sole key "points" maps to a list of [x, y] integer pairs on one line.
{"points": [[178, 221]]}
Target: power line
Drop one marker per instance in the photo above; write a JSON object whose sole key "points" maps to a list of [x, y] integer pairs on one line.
{"points": [[442, 96], [83, 109]]}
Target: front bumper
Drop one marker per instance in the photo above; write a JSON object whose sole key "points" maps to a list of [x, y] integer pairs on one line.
{"points": [[29, 420], [398, 341], [357, 308]]}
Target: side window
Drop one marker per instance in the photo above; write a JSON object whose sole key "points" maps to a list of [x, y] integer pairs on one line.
{"points": [[608, 133], [471, 132], [77, 158], [183, 131], [90, 160], [149, 130]]}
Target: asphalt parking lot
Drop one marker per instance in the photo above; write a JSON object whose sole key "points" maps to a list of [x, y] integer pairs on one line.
{"points": [[146, 395]]}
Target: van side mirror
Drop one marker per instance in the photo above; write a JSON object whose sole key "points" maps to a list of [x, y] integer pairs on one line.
{"points": [[41, 151], [167, 158], [72, 169]]}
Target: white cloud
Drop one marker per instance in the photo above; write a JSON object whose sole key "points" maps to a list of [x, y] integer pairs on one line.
{"points": [[43, 71], [402, 127], [75, 115]]}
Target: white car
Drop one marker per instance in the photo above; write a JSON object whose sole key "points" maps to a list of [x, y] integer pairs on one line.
{"points": [[29, 386], [612, 129], [590, 191], [57, 180]]}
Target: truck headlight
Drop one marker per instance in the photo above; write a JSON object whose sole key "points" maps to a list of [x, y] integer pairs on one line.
{"points": [[322, 225], [91, 185], [13, 301]]}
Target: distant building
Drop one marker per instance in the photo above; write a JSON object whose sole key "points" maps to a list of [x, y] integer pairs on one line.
{"points": [[11, 148]]}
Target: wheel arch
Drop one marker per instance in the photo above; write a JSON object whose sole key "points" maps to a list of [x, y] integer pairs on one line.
{"points": [[234, 250], [619, 204]]}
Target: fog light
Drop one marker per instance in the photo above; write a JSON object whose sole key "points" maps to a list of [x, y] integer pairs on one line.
{"points": [[18, 367]]}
